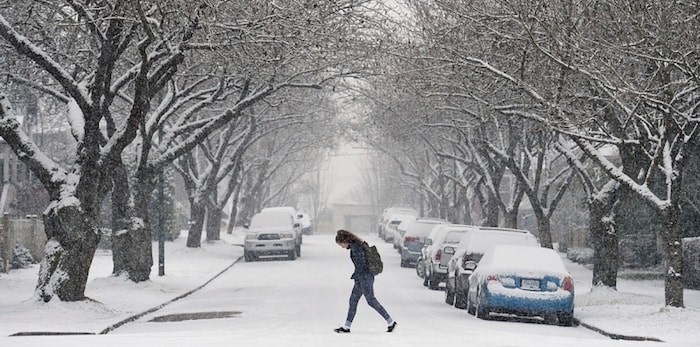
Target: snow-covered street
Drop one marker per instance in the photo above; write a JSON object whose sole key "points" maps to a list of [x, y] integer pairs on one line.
{"points": [[274, 303]]}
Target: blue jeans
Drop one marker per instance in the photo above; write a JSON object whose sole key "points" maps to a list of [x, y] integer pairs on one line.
{"points": [[364, 285]]}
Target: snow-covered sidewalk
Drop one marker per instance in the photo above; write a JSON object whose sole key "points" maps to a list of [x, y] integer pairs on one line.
{"points": [[113, 299], [636, 309]]}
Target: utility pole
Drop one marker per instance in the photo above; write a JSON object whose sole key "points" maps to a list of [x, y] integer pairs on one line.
{"points": [[161, 218]]}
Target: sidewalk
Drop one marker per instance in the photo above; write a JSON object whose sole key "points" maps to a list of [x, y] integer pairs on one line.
{"points": [[635, 309], [113, 299]]}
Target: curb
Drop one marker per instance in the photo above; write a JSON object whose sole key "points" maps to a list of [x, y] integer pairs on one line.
{"points": [[617, 336], [156, 308]]}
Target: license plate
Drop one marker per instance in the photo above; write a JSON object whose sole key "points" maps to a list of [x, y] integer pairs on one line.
{"points": [[529, 284]]}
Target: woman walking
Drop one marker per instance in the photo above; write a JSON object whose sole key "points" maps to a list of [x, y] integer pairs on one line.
{"points": [[364, 281]]}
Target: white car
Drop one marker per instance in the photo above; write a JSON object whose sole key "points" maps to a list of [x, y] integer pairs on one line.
{"points": [[389, 230], [398, 232], [440, 251], [391, 212], [420, 267], [270, 234], [297, 223], [524, 281], [306, 223], [471, 248]]}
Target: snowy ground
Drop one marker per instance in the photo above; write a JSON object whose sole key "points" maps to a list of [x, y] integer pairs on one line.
{"points": [[298, 303]]}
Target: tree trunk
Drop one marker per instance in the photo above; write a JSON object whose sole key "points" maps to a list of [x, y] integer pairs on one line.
{"points": [[197, 213], [120, 222], [544, 229], [233, 214], [214, 223], [492, 212], [72, 240], [604, 239], [671, 236], [137, 243], [511, 218]]}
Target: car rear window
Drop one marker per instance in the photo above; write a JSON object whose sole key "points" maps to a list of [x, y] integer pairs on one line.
{"points": [[454, 237], [420, 229]]}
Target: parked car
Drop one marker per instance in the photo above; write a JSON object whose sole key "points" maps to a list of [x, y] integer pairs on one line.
{"points": [[389, 230], [471, 247], [411, 243], [297, 229], [398, 232], [389, 213], [306, 223], [521, 280], [270, 234], [420, 267], [440, 251]]}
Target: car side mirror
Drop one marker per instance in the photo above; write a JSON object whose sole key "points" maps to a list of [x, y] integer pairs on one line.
{"points": [[449, 250], [296, 225], [246, 226], [470, 265]]}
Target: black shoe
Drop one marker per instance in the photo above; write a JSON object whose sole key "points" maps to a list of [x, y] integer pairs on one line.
{"points": [[341, 330], [391, 327]]}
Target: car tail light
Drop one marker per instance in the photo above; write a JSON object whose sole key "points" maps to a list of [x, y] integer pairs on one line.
{"points": [[491, 278], [438, 255], [410, 239], [568, 284]]}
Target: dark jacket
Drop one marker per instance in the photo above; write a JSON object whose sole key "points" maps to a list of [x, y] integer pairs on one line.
{"points": [[359, 259]]}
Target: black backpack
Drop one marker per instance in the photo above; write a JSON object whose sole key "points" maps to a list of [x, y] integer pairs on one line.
{"points": [[374, 260]]}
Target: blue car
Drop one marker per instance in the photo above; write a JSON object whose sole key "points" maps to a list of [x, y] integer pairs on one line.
{"points": [[522, 281]]}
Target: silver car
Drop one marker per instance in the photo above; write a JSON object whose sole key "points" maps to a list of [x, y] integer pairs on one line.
{"points": [[297, 222], [411, 243], [438, 255], [270, 234]]}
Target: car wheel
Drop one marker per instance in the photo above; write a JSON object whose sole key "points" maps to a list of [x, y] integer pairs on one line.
{"points": [[471, 309], [481, 310], [449, 296], [433, 282], [460, 299], [292, 255], [565, 319], [248, 256], [420, 269]]}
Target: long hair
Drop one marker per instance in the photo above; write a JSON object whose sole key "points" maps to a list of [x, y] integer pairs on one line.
{"points": [[346, 236]]}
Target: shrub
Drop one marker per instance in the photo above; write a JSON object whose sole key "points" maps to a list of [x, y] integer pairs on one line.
{"points": [[691, 262], [581, 255], [21, 258]]}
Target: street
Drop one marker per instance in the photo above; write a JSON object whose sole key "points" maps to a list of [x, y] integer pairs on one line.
{"points": [[299, 302]]}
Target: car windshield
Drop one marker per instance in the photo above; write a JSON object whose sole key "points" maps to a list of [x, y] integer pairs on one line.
{"points": [[271, 220]]}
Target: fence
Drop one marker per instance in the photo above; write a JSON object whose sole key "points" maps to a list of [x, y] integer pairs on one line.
{"points": [[26, 232]]}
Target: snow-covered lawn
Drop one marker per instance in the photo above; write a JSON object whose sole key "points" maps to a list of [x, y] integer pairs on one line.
{"points": [[636, 309]]}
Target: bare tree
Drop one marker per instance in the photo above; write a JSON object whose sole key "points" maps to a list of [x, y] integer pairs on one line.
{"points": [[123, 54]]}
